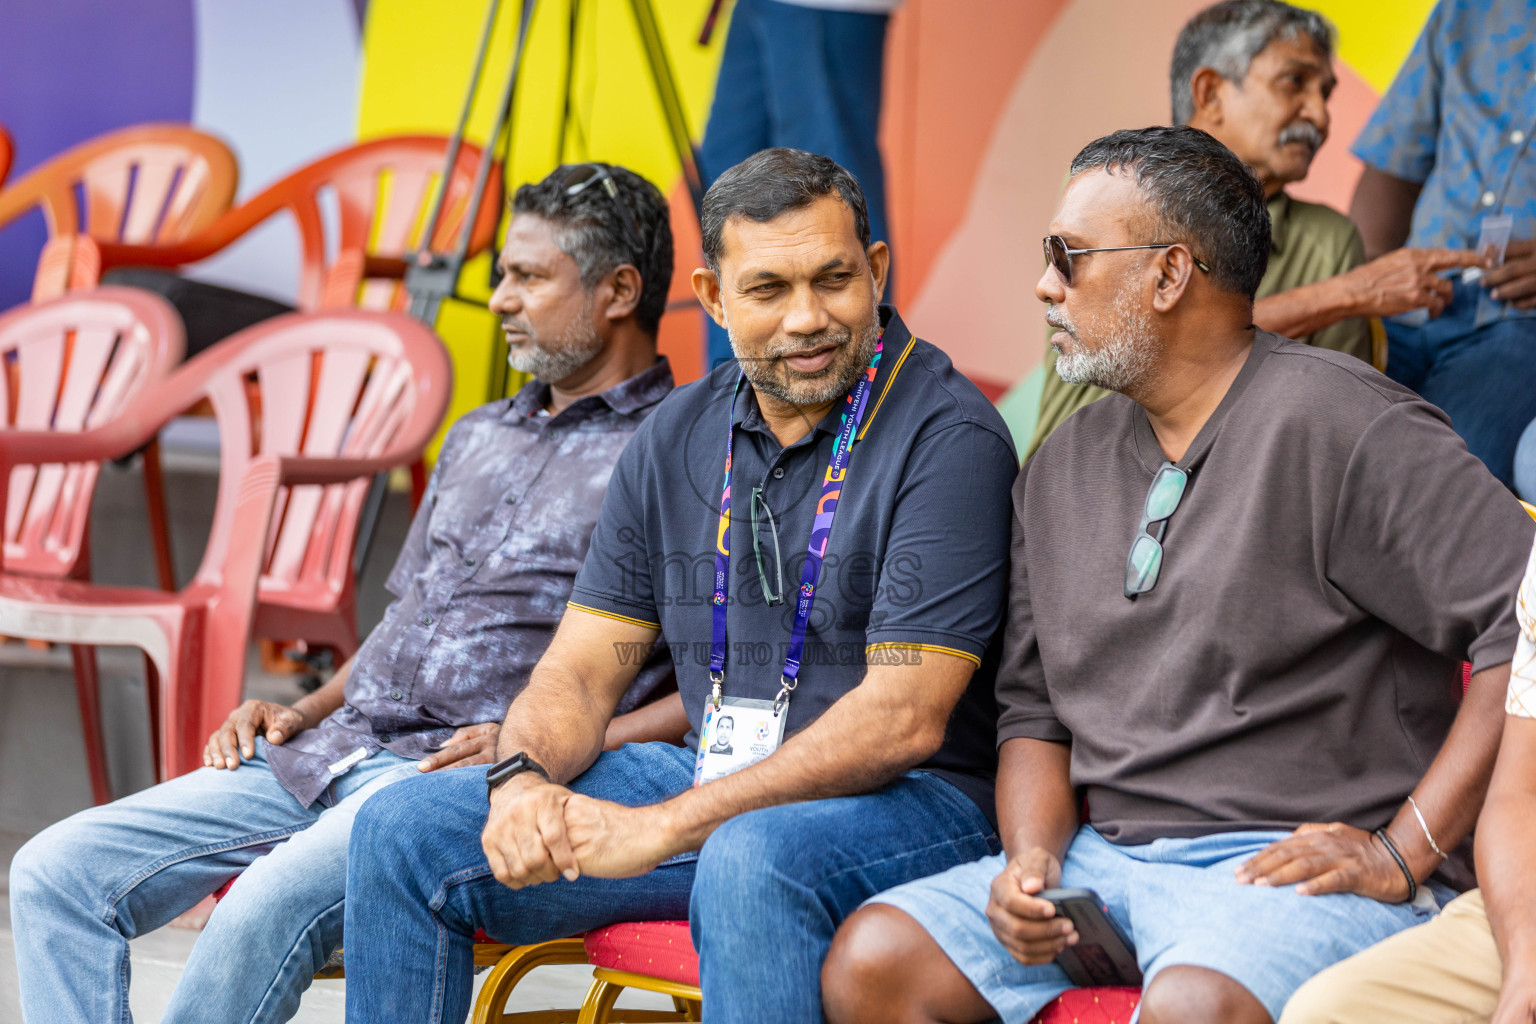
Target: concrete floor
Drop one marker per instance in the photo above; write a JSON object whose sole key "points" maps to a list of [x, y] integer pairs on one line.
{"points": [[42, 766]]}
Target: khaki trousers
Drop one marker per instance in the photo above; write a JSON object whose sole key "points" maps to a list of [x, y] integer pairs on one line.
{"points": [[1443, 972]]}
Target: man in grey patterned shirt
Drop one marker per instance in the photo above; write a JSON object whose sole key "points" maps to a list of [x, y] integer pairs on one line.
{"points": [[479, 588]]}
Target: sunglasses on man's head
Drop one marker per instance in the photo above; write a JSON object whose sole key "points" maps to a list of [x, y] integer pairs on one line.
{"points": [[1059, 255], [583, 176]]}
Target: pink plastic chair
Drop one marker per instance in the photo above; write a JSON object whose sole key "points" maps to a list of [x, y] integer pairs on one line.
{"points": [[70, 365], [149, 185], [309, 407]]}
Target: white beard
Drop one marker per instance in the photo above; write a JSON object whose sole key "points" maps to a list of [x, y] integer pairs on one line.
{"points": [[552, 363], [1126, 360]]}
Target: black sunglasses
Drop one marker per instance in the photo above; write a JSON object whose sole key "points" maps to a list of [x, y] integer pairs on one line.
{"points": [[583, 176], [771, 595], [1059, 255], [1145, 560]]}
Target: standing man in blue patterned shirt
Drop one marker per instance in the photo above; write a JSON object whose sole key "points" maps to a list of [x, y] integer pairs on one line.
{"points": [[479, 588], [1448, 157]]}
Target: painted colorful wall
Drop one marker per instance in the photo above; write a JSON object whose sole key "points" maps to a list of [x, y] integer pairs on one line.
{"points": [[986, 101]]}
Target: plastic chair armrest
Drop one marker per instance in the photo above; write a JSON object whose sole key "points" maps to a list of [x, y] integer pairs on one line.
{"points": [[351, 268], [41, 447], [298, 470], [216, 236], [176, 254]]}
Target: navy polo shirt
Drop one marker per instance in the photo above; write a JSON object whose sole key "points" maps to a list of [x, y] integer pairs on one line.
{"points": [[917, 561]]}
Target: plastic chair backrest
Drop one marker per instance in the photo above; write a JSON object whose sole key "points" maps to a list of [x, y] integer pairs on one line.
{"points": [[7, 151], [337, 384], [68, 365], [149, 184], [382, 189]]}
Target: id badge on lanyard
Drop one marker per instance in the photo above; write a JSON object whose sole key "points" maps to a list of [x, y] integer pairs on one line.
{"points": [[738, 732], [741, 733]]}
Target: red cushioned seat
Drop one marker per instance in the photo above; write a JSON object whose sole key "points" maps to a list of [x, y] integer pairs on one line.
{"points": [[656, 949], [1091, 1006]]}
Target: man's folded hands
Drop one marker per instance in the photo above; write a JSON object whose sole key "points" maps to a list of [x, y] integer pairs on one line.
{"points": [[538, 831]]}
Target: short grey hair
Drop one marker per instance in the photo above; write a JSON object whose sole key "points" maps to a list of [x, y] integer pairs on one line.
{"points": [[1228, 35]]}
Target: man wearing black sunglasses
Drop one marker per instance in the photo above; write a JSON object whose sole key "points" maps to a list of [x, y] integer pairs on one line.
{"points": [[1242, 589]]}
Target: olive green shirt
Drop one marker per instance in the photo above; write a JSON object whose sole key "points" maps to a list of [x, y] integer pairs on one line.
{"points": [[1309, 242]]}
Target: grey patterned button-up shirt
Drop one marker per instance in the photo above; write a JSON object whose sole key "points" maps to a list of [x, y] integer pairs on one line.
{"points": [[482, 580]]}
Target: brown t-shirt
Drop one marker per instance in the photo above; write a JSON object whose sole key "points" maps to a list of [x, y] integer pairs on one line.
{"points": [[1336, 555]]}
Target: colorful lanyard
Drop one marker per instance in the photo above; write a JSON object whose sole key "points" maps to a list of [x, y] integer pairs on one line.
{"points": [[821, 532]]}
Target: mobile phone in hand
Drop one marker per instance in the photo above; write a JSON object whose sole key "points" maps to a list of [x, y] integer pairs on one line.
{"points": [[1103, 956]]}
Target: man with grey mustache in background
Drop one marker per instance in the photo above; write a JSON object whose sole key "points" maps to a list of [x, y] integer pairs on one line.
{"points": [[1256, 75]]}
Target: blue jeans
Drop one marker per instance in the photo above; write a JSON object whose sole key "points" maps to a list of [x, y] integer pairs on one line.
{"points": [[1525, 464], [85, 886], [763, 896], [800, 77], [1484, 378]]}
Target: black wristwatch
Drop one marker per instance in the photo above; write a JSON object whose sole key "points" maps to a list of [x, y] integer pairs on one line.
{"points": [[504, 769]]}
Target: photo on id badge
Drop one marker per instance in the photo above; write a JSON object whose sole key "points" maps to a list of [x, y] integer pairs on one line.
{"points": [[741, 732]]}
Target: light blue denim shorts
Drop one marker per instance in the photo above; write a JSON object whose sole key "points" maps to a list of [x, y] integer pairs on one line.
{"points": [[1179, 903]]}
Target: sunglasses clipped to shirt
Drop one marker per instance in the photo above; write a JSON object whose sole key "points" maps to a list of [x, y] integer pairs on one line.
{"points": [[1145, 560], [1059, 255]]}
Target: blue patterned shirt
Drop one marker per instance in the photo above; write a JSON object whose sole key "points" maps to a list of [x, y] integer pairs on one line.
{"points": [[1458, 119], [482, 580]]}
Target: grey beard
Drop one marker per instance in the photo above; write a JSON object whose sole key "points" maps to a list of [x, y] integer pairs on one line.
{"points": [[838, 380], [575, 348], [1126, 360]]}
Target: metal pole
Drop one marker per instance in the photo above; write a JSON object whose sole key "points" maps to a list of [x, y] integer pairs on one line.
{"points": [[573, 30], [433, 277], [671, 101], [457, 140]]}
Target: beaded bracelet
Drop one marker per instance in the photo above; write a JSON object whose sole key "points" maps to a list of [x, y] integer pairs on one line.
{"points": [[1386, 840]]}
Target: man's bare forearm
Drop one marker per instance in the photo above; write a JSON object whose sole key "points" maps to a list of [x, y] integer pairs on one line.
{"points": [[555, 721], [871, 735], [1506, 844], [317, 706], [663, 720], [1036, 804], [1452, 791], [1305, 310], [561, 715]]}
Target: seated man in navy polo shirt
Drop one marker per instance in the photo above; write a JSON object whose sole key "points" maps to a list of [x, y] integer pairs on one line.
{"points": [[819, 533]]}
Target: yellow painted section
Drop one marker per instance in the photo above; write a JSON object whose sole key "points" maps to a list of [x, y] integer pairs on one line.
{"points": [[1375, 35], [417, 58]]}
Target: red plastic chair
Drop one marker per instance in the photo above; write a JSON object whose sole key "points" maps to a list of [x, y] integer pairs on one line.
{"points": [[382, 189], [149, 185], [7, 151], [69, 365], [658, 956], [343, 396]]}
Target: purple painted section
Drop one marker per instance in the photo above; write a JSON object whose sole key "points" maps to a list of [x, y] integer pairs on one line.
{"points": [[72, 69], [362, 15]]}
